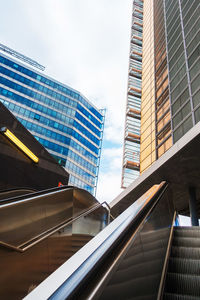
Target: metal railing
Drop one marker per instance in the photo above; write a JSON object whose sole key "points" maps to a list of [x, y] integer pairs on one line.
{"points": [[38, 238], [32, 194]]}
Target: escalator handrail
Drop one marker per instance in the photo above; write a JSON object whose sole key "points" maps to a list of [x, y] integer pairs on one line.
{"points": [[166, 261], [34, 194], [64, 281], [18, 189], [31, 197], [30, 243]]}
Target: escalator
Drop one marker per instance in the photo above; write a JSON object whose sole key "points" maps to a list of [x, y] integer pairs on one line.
{"points": [[141, 255], [183, 274], [39, 231]]}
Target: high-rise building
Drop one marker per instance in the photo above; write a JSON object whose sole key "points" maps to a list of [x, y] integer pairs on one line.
{"points": [[170, 75], [170, 87], [143, 253], [131, 153], [59, 117]]}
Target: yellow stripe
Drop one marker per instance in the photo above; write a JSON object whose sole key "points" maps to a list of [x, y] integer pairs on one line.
{"points": [[17, 142]]}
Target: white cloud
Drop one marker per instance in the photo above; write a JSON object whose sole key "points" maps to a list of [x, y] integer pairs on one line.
{"points": [[110, 175], [108, 187], [114, 133], [112, 152], [86, 46]]}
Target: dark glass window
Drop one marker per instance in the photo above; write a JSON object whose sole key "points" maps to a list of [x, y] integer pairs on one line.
{"points": [[194, 56], [196, 99]]}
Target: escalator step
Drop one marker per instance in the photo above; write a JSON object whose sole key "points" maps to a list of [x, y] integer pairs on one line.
{"points": [[191, 228], [186, 242], [185, 252], [184, 266], [168, 296], [183, 284], [194, 232]]}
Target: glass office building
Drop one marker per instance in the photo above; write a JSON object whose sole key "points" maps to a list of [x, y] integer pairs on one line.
{"points": [[131, 153], [170, 76], [59, 117]]}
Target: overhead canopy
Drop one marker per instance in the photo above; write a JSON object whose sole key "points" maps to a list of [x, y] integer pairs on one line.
{"points": [[179, 166]]}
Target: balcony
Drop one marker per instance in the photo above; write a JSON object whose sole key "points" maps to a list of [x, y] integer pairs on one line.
{"points": [[138, 24], [138, 11], [132, 165], [134, 113], [132, 137], [135, 71]]}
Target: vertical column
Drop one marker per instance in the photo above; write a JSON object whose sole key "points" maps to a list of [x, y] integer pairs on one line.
{"points": [[193, 207]]}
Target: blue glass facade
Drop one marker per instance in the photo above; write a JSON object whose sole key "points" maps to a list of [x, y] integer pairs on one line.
{"points": [[60, 118]]}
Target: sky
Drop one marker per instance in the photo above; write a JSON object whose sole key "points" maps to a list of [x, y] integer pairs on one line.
{"points": [[84, 44]]}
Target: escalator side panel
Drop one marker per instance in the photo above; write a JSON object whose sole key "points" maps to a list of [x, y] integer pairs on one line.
{"points": [[139, 271], [22, 272], [23, 221]]}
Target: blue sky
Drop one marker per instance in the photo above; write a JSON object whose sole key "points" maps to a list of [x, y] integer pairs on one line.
{"points": [[84, 44]]}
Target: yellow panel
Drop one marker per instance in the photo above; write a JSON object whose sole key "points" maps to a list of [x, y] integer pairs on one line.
{"points": [[160, 150], [145, 164], [147, 109], [148, 84], [145, 134], [153, 145], [20, 145], [153, 126], [153, 156], [145, 143], [147, 151]]}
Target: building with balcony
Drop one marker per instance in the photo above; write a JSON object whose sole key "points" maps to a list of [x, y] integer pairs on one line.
{"points": [[165, 90], [68, 125], [131, 153], [144, 253]]}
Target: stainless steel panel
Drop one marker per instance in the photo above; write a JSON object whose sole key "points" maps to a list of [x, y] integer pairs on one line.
{"points": [[81, 201], [92, 223], [138, 274], [24, 220], [21, 221], [21, 272]]}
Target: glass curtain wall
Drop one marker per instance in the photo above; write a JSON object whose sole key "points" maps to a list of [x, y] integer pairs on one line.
{"points": [[162, 96], [148, 155], [170, 75], [60, 118], [183, 42]]}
